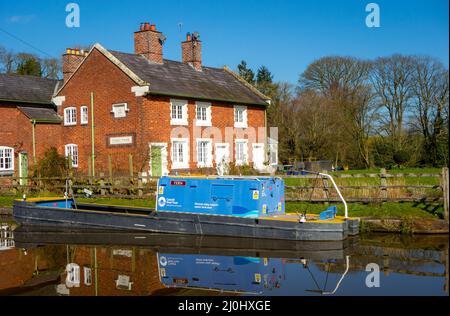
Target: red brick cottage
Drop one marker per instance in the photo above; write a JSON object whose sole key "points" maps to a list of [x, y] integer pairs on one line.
{"points": [[29, 124], [171, 116]]}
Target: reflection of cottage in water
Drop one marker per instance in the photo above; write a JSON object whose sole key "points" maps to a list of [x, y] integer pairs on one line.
{"points": [[23, 270], [6, 237], [108, 271]]}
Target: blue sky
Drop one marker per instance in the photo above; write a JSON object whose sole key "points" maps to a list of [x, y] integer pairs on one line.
{"points": [[284, 35]]}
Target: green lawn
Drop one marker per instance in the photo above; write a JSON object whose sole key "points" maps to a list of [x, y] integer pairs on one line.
{"points": [[382, 210]]}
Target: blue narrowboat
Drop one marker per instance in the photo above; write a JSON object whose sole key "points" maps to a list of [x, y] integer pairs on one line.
{"points": [[246, 207]]}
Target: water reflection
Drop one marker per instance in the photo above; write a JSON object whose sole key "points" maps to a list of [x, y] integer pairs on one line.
{"points": [[43, 262]]}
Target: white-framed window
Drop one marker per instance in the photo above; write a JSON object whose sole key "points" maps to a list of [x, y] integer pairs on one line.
{"points": [[120, 110], [87, 276], [204, 153], [73, 275], [203, 114], [72, 151], [70, 116], [6, 159], [178, 112], [240, 116], [84, 112], [241, 152], [180, 153]]}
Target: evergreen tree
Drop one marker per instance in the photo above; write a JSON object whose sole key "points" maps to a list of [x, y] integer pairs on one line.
{"points": [[246, 72], [264, 76], [28, 65]]}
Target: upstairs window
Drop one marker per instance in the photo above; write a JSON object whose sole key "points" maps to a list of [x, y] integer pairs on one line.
{"points": [[203, 114], [84, 115], [72, 152], [178, 112], [70, 116], [120, 110], [240, 117], [6, 159]]}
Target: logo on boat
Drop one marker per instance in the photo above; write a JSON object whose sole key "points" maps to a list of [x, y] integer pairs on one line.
{"points": [[162, 201], [178, 183], [163, 261], [256, 195]]}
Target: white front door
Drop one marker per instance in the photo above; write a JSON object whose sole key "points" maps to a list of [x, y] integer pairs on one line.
{"points": [[222, 157], [259, 156]]}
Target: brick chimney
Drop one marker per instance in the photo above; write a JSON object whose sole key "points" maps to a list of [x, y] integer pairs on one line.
{"points": [[71, 60], [149, 42], [192, 51]]}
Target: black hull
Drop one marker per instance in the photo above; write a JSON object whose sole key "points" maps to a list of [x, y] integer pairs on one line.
{"points": [[183, 223]]}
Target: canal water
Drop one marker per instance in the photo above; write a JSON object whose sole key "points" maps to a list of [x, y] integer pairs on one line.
{"points": [[47, 262]]}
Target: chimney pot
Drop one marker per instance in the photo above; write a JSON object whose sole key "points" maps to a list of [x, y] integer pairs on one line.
{"points": [[192, 52], [148, 43]]}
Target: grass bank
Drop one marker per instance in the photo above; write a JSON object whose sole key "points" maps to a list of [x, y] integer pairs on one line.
{"points": [[382, 210]]}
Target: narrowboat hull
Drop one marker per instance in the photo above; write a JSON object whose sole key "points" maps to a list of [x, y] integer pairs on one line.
{"points": [[132, 219]]}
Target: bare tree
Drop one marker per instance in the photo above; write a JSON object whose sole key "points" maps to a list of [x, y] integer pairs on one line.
{"points": [[7, 60], [430, 91], [391, 79]]}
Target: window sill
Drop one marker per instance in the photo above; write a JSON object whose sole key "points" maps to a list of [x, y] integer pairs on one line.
{"points": [[180, 166], [205, 165], [203, 124], [69, 125], [179, 123], [240, 125]]}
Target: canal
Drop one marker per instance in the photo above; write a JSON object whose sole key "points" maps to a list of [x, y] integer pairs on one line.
{"points": [[48, 262]]}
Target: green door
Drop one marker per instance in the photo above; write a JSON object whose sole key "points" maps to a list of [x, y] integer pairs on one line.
{"points": [[23, 170], [156, 160]]}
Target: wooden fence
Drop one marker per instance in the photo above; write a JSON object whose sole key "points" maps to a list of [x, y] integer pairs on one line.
{"points": [[382, 187]]}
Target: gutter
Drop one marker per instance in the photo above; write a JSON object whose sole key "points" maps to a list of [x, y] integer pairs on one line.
{"points": [[27, 101], [205, 98]]}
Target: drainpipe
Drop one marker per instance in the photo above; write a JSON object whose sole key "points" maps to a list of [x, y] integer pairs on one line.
{"points": [[265, 136], [92, 135], [33, 124]]}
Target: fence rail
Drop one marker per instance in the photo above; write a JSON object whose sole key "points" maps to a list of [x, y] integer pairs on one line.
{"points": [[388, 187]]}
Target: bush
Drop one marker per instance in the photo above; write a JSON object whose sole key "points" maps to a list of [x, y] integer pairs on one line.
{"points": [[52, 165]]}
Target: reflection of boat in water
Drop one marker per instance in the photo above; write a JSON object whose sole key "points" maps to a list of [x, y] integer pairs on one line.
{"points": [[225, 265], [33, 236]]}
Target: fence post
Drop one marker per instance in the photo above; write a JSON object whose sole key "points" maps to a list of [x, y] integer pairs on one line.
{"points": [[14, 185], [140, 186], [110, 168], [326, 190], [445, 188], [70, 187], [383, 187], [130, 161], [102, 184]]}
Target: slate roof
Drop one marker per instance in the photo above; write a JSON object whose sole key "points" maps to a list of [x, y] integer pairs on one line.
{"points": [[27, 89], [175, 78], [40, 113]]}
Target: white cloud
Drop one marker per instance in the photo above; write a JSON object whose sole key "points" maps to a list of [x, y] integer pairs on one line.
{"points": [[21, 18]]}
